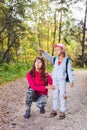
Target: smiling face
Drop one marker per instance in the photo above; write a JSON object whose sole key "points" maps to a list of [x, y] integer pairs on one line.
{"points": [[58, 51]]}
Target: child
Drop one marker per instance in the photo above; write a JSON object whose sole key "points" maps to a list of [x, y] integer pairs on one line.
{"points": [[59, 78], [38, 82]]}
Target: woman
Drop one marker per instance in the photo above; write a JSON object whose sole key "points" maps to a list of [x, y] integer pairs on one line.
{"points": [[38, 81]]}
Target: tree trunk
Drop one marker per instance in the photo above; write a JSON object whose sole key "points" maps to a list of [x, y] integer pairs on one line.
{"points": [[60, 27], [54, 32], [48, 39], [83, 39]]}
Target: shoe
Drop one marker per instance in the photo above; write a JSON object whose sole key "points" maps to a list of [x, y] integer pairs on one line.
{"points": [[27, 114], [61, 115], [53, 113], [42, 110]]}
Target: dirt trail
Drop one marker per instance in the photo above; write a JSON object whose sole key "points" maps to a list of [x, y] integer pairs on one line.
{"points": [[12, 107]]}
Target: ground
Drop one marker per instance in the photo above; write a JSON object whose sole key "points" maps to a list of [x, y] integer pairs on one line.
{"points": [[12, 107]]}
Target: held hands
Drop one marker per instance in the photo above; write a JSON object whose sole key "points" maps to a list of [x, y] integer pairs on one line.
{"points": [[50, 87]]}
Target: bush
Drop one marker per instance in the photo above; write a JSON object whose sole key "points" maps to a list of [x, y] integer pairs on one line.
{"points": [[9, 72]]}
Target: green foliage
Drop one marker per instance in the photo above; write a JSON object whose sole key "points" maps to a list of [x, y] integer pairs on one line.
{"points": [[9, 72], [49, 67], [85, 69], [26, 25]]}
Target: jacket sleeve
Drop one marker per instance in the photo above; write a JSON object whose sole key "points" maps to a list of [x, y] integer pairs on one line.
{"points": [[50, 82], [70, 72], [32, 84], [48, 56]]}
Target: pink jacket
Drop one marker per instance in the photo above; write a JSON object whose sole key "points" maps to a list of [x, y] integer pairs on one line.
{"points": [[37, 84]]}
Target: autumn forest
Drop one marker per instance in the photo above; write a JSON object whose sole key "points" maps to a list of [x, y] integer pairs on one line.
{"points": [[26, 25]]}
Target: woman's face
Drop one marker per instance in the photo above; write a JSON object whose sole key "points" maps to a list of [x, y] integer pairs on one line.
{"points": [[38, 64]]}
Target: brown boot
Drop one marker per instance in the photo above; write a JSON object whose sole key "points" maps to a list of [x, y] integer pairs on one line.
{"points": [[61, 115], [53, 113]]}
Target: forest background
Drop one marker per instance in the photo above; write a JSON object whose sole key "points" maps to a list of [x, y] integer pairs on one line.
{"points": [[26, 25]]}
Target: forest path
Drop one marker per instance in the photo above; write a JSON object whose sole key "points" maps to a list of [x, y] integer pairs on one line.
{"points": [[12, 107]]}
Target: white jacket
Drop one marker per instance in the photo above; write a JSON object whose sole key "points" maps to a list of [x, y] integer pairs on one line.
{"points": [[59, 71]]}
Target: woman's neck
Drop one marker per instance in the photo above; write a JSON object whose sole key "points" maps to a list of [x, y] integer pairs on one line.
{"points": [[38, 70]]}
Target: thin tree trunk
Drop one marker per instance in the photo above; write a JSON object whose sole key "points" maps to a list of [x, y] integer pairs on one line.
{"points": [[54, 32], [60, 27], [48, 39], [83, 39]]}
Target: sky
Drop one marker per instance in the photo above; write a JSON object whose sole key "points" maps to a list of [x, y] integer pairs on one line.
{"points": [[77, 9], [80, 12]]}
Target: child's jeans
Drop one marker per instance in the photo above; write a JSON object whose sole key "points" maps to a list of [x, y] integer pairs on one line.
{"points": [[31, 96], [58, 94]]}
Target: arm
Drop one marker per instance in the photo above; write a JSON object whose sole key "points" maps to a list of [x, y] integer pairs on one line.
{"points": [[50, 83], [46, 55], [70, 74], [33, 85]]}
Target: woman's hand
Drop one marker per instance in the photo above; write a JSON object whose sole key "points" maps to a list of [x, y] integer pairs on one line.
{"points": [[50, 87]]}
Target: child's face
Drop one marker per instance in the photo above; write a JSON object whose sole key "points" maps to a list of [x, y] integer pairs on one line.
{"points": [[58, 50], [38, 64]]}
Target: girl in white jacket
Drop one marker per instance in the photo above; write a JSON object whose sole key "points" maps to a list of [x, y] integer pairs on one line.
{"points": [[59, 78]]}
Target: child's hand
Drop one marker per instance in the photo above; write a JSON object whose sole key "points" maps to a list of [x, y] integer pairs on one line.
{"points": [[41, 50], [50, 87], [71, 84]]}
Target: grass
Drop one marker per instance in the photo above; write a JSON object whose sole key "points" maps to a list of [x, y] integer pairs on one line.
{"points": [[80, 68], [9, 72]]}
